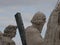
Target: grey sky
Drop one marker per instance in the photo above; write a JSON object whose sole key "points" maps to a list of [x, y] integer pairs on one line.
{"points": [[25, 2]]}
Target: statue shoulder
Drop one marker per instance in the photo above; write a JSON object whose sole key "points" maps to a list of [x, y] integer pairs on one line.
{"points": [[31, 29], [7, 40]]}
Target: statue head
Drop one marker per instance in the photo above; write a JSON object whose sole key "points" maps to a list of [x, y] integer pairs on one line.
{"points": [[38, 18], [10, 31]]}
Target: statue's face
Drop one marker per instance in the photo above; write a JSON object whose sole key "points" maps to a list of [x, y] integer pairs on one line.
{"points": [[13, 33], [39, 19], [10, 31]]}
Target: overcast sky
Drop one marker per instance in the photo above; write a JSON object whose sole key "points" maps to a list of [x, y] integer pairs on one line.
{"points": [[27, 8]]}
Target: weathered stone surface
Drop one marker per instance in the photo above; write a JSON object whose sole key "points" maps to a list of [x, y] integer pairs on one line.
{"points": [[33, 32], [7, 41], [6, 37], [52, 36], [10, 31]]}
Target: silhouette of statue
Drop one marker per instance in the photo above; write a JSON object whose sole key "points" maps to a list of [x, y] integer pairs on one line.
{"points": [[52, 36], [9, 33], [33, 32]]}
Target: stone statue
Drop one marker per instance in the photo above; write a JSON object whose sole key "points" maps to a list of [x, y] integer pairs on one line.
{"points": [[33, 32], [9, 33], [52, 36]]}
